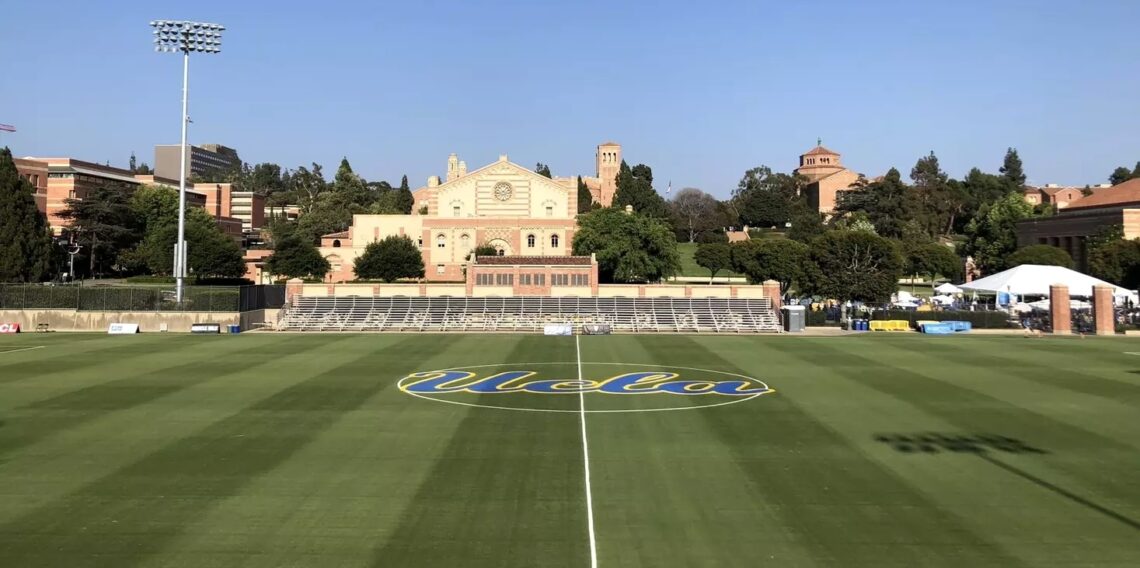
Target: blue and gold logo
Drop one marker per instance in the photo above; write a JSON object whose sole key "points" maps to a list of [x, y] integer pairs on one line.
{"points": [[637, 382]]}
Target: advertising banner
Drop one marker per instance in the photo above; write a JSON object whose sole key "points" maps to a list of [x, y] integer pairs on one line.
{"points": [[205, 328], [9, 328], [123, 328]]}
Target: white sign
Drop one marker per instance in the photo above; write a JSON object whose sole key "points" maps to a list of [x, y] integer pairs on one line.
{"points": [[9, 328], [123, 328], [558, 329], [205, 328]]}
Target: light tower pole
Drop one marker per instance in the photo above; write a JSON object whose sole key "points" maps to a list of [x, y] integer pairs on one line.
{"points": [[173, 36]]}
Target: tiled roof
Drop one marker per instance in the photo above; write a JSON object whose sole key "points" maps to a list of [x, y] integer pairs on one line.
{"points": [[534, 260], [1120, 194], [820, 150], [340, 235]]}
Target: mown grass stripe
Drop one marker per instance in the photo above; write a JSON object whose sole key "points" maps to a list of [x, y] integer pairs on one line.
{"points": [[131, 514], [1072, 452], [838, 527], [507, 490], [43, 418]]}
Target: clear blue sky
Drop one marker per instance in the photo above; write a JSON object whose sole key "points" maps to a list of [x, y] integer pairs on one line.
{"points": [[700, 91]]}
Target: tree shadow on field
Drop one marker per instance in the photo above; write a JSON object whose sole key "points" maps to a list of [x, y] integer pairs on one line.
{"points": [[984, 446]]}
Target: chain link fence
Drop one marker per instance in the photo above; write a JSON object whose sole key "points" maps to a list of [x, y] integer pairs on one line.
{"points": [[140, 299]]}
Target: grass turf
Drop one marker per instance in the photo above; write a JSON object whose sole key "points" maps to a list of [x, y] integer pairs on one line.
{"points": [[274, 450], [689, 266]]}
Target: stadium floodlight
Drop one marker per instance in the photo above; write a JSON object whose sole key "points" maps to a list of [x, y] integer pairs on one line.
{"points": [[171, 36]]}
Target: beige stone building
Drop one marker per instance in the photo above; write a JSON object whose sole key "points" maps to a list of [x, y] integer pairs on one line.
{"points": [[826, 177], [503, 204]]}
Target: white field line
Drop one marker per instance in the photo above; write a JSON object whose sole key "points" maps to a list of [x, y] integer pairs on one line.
{"points": [[23, 349], [586, 460]]}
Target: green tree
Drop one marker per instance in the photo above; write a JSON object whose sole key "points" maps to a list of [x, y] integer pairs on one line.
{"points": [[350, 186], [766, 199], [807, 223], [332, 213], [781, 260], [714, 257], [266, 179], [635, 188], [295, 257], [542, 170], [934, 201], [154, 206], [585, 198], [1039, 254], [404, 198], [884, 203], [1116, 261], [853, 265], [101, 222], [992, 235], [630, 247], [390, 259], [1011, 170], [210, 252], [133, 166], [1120, 175], [307, 185], [26, 251], [930, 260]]}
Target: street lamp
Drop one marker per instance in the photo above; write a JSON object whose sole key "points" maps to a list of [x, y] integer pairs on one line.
{"points": [[172, 36]]}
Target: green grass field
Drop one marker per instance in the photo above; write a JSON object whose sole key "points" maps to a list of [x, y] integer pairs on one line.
{"points": [[302, 450]]}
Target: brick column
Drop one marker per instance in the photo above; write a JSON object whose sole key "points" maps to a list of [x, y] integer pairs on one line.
{"points": [[1103, 314], [772, 291], [1059, 308], [294, 287]]}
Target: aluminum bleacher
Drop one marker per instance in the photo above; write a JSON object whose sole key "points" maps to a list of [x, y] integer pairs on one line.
{"points": [[450, 313]]}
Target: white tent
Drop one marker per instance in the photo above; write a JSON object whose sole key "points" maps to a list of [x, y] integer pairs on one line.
{"points": [[945, 300], [1035, 279], [948, 288], [1044, 306]]}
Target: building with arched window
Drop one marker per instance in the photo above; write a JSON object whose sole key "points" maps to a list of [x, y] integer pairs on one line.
{"points": [[502, 205]]}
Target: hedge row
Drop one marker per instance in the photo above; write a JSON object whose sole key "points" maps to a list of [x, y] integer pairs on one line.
{"points": [[206, 299], [980, 320]]}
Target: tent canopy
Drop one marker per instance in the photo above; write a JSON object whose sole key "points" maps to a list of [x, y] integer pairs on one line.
{"points": [[1035, 279], [948, 288]]}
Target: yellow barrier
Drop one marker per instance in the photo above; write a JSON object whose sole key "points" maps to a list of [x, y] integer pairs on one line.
{"points": [[890, 325]]}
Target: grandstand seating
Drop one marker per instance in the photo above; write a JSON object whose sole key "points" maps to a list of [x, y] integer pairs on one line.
{"points": [[450, 313]]}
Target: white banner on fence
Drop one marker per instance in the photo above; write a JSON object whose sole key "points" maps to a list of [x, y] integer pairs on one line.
{"points": [[123, 328], [558, 329]]}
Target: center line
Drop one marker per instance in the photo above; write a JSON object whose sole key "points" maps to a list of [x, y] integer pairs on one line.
{"points": [[586, 460]]}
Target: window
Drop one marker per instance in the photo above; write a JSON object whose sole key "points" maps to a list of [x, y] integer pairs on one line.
{"points": [[484, 279], [530, 241], [524, 280], [540, 280], [553, 241], [336, 243], [439, 269], [504, 279], [420, 242], [465, 241], [440, 241], [549, 211], [559, 280], [455, 211], [501, 251], [581, 280]]}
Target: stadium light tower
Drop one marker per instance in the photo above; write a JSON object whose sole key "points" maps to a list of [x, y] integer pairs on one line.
{"points": [[173, 36]]}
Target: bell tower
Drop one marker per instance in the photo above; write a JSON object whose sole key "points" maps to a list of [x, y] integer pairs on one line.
{"points": [[819, 162], [608, 164]]}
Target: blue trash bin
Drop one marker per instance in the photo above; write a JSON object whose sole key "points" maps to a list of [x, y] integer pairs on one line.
{"points": [[234, 328]]}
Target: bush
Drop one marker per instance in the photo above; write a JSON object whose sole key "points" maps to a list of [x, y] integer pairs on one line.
{"points": [[709, 237]]}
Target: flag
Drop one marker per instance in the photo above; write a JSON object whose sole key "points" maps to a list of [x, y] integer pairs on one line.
{"points": [[669, 189], [7, 128]]}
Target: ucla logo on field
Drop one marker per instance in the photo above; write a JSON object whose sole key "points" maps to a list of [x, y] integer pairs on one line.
{"points": [[632, 383]]}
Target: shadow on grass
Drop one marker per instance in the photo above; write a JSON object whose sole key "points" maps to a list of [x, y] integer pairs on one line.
{"points": [[984, 446]]}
